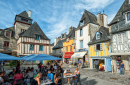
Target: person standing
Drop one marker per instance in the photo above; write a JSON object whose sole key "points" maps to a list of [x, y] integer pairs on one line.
{"points": [[96, 63], [79, 63], [70, 62], [122, 68], [2, 65], [18, 66]]}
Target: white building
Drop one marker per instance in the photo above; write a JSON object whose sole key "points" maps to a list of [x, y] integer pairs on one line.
{"points": [[85, 32]]}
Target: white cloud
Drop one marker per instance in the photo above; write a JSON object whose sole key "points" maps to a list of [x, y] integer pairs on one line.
{"points": [[92, 4], [110, 17]]}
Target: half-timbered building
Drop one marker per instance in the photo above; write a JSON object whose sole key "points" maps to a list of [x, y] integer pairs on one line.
{"points": [[120, 34], [33, 41]]}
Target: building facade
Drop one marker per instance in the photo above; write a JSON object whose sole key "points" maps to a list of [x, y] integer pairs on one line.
{"points": [[68, 45], [33, 41], [88, 25], [58, 45], [100, 49], [120, 37]]}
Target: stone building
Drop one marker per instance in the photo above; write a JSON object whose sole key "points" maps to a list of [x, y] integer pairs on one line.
{"points": [[58, 45], [11, 38], [120, 37]]}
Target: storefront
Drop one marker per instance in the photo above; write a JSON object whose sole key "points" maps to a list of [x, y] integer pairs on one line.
{"points": [[80, 55], [67, 56], [104, 63]]}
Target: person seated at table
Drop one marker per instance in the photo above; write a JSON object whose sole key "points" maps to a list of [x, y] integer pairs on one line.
{"points": [[57, 79], [18, 76], [77, 72], [7, 81], [29, 76], [60, 69], [36, 80], [67, 72], [50, 76], [12, 73], [1, 79], [34, 71], [55, 67], [27, 69], [52, 69]]}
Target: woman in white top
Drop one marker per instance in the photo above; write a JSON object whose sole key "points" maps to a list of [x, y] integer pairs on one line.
{"points": [[76, 72]]}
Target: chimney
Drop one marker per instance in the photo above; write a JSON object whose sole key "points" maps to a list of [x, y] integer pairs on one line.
{"points": [[70, 29], [29, 13], [102, 19]]}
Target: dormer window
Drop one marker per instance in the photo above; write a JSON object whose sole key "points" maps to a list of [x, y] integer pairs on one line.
{"points": [[7, 33], [37, 37], [128, 16], [97, 35], [22, 30], [82, 23], [23, 19]]}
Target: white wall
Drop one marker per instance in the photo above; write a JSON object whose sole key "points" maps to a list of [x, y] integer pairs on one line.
{"points": [[85, 37]]}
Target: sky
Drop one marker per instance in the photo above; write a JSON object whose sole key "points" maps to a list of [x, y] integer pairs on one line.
{"points": [[55, 16]]}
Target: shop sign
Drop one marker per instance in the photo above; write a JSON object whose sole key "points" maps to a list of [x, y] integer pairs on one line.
{"points": [[84, 49], [77, 54]]}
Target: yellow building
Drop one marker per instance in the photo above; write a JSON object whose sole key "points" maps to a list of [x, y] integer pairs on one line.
{"points": [[69, 45], [99, 49]]}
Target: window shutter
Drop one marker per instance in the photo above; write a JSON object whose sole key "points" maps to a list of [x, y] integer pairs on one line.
{"points": [[101, 47], [94, 47]]}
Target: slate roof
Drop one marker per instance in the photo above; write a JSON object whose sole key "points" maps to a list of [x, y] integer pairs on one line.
{"points": [[71, 34], [88, 17], [59, 44], [11, 29], [33, 30], [105, 36], [24, 14], [119, 16]]}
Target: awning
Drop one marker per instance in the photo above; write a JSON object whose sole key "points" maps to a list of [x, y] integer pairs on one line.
{"points": [[68, 54], [78, 54], [125, 53]]}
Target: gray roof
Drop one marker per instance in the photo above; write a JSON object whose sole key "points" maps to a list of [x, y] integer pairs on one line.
{"points": [[88, 17], [71, 34], [24, 14], [33, 30], [11, 29], [59, 44], [105, 36], [119, 16]]}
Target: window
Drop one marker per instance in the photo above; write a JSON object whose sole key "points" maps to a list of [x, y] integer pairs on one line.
{"points": [[82, 23], [124, 38], [66, 49], [70, 48], [119, 39], [22, 30], [31, 46], [81, 32], [98, 47], [6, 44], [7, 33], [23, 19], [81, 43], [37, 37], [97, 35], [40, 47], [128, 16]]}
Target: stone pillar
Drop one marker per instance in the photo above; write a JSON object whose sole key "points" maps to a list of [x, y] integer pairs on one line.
{"points": [[114, 63], [125, 60]]}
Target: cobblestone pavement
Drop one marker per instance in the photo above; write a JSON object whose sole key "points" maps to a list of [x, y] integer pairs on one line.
{"points": [[91, 77]]}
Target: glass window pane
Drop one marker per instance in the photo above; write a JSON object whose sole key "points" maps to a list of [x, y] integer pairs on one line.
{"points": [[128, 16]]}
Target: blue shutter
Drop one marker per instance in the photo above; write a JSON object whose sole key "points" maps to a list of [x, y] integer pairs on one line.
{"points": [[37, 37], [31, 47], [81, 44], [41, 48], [108, 64], [128, 16]]}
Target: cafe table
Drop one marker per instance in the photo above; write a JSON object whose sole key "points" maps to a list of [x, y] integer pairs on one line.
{"points": [[46, 83], [69, 76]]}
